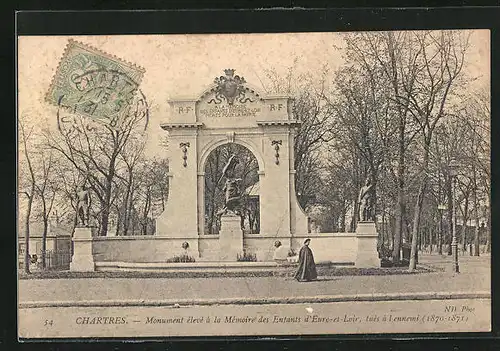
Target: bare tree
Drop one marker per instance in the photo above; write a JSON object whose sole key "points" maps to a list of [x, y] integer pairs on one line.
{"points": [[27, 183], [363, 122], [439, 67], [310, 107], [474, 119], [46, 190], [387, 60], [94, 149], [132, 154], [150, 191]]}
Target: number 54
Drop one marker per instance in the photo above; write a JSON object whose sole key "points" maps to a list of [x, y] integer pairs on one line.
{"points": [[48, 322]]}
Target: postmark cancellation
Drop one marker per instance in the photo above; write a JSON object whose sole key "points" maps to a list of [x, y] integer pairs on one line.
{"points": [[94, 84]]}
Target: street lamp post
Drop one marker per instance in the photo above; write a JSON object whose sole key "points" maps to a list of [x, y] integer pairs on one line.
{"points": [[454, 246], [441, 208]]}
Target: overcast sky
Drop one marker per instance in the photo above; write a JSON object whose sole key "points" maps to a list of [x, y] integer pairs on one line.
{"points": [[183, 65]]}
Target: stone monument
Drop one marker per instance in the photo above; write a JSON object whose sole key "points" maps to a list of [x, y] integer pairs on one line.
{"points": [[230, 234], [83, 256], [231, 111], [366, 230], [231, 188], [365, 202], [82, 206]]}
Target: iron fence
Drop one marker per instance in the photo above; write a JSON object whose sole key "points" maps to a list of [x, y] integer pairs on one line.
{"points": [[56, 259]]}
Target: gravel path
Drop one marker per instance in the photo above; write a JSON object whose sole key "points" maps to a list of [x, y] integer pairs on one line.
{"points": [[186, 288]]}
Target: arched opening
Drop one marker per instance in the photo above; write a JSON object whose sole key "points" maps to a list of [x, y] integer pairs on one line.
{"points": [[214, 197]]}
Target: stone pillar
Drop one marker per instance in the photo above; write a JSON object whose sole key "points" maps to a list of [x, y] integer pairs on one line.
{"points": [[83, 257], [275, 185], [180, 218], [230, 238], [367, 254]]}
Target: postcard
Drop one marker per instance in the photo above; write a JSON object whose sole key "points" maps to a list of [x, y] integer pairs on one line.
{"points": [[254, 184]]}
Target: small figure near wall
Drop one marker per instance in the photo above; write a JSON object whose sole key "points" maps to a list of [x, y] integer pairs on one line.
{"points": [[280, 253], [307, 268], [365, 201], [83, 205]]}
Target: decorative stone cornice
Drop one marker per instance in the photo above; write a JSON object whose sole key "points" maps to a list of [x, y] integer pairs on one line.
{"points": [[213, 88], [229, 88], [182, 99], [279, 123], [168, 126]]}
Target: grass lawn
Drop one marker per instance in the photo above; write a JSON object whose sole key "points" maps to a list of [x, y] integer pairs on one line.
{"points": [[285, 271]]}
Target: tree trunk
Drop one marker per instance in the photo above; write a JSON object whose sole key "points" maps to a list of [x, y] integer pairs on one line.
{"points": [[418, 206], [211, 219], [431, 236], [45, 220], [488, 225], [449, 213], [476, 213], [440, 233], [416, 224], [476, 236], [162, 200], [118, 221], [398, 232], [383, 231], [105, 215], [488, 236], [464, 223], [145, 212], [406, 226], [44, 240], [421, 238], [103, 230], [126, 209], [392, 224], [27, 232], [354, 220], [342, 217], [213, 209], [439, 242]]}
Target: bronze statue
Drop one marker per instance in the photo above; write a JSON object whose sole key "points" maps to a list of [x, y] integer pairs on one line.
{"points": [[83, 205], [231, 187], [365, 201]]}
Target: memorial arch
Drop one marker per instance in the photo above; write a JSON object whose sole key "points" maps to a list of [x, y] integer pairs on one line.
{"points": [[230, 111]]}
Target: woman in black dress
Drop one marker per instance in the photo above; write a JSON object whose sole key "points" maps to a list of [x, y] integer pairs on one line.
{"points": [[307, 268]]}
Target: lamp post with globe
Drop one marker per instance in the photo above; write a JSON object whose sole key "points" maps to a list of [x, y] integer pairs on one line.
{"points": [[454, 246], [441, 208]]}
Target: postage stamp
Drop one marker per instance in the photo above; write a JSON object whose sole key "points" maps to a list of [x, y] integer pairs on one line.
{"points": [[94, 84]]}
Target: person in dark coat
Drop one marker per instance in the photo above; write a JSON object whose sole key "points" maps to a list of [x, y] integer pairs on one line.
{"points": [[307, 267]]}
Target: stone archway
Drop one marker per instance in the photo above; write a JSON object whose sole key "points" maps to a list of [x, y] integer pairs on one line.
{"points": [[229, 138], [231, 112]]}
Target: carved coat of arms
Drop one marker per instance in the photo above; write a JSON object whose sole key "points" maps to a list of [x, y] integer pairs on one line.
{"points": [[230, 88]]}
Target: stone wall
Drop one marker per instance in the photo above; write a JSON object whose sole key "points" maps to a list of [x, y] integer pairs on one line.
{"points": [[335, 247], [209, 247], [147, 248]]}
